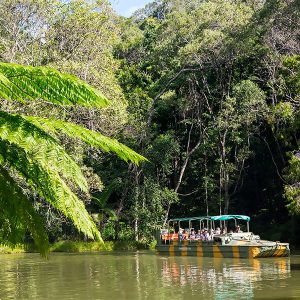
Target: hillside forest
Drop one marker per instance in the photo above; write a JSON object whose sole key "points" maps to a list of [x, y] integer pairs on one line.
{"points": [[208, 91]]}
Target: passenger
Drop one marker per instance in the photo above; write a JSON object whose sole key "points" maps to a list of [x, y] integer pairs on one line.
{"points": [[198, 235], [218, 231], [180, 235], [192, 235], [238, 229], [223, 231], [202, 235], [206, 236]]}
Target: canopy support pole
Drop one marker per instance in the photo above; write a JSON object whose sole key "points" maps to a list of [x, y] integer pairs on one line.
{"points": [[168, 232], [179, 231], [190, 225]]}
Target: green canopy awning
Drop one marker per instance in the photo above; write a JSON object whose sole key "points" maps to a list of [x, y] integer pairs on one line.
{"points": [[189, 219], [213, 218], [230, 217]]}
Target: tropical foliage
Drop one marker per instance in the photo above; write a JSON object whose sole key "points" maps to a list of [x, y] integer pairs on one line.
{"points": [[215, 85], [31, 154], [207, 90]]}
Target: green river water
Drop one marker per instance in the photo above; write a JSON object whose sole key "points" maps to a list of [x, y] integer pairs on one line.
{"points": [[144, 275]]}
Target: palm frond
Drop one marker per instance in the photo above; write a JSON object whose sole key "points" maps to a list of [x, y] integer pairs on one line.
{"points": [[17, 215], [48, 183], [91, 137], [40, 147], [23, 83]]}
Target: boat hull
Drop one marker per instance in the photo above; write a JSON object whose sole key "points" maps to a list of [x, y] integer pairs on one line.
{"points": [[209, 249]]}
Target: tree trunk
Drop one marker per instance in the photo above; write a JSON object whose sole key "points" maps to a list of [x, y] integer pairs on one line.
{"points": [[136, 230], [226, 193], [183, 168]]}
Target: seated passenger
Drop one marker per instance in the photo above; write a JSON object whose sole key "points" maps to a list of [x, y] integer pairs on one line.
{"points": [[192, 235], [198, 235], [218, 231], [238, 229], [180, 235], [202, 235], [223, 231], [185, 235], [205, 235]]}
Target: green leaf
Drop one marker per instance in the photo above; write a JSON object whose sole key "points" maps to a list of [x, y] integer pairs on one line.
{"points": [[50, 186], [22, 83], [91, 137], [40, 147], [17, 215]]}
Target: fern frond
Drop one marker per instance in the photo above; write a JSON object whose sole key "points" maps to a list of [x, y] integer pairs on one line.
{"points": [[29, 146], [50, 186], [40, 147], [106, 193], [18, 216], [23, 83], [90, 137]]}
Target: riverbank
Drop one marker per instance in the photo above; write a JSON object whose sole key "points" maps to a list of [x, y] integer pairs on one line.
{"points": [[81, 247]]}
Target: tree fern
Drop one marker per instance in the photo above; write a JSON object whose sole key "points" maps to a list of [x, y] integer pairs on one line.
{"points": [[40, 147], [29, 83], [48, 183], [17, 215], [29, 146], [91, 137], [102, 200]]}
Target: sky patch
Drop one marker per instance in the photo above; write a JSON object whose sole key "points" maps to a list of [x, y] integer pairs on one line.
{"points": [[127, 7]]}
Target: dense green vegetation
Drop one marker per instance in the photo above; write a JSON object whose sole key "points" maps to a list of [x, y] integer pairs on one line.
{"points": [[32, 158], [80, 247], [207, 90]]}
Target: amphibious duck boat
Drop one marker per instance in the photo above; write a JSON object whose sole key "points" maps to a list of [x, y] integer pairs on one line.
{"points": [[214, 239]]}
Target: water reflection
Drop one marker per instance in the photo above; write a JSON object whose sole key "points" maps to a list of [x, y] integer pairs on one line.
{"points": [[223, 278], [146, 276]]}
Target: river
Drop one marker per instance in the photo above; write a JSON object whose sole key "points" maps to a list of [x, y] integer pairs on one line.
{"points": [[144, 275]]}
